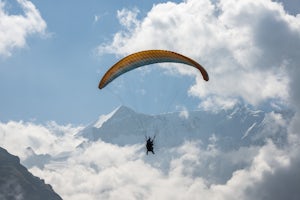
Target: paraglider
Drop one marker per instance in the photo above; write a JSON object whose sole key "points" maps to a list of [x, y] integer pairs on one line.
{"points": [[147, 57], [149, 145], [143, 58]]}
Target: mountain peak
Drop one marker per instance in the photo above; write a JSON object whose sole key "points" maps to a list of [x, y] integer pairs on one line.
{"points": [[124, 110], [120, 111], [125, 126]]}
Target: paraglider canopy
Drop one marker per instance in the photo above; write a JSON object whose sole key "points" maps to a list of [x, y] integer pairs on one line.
{"points": [[147, 57]]}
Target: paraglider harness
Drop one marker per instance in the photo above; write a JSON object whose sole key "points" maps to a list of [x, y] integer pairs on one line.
{"points": [[149, 144]]}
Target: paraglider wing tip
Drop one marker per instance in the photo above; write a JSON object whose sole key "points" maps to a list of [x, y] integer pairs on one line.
{"points": [[204, 74], [206, 78], [101, 85]]}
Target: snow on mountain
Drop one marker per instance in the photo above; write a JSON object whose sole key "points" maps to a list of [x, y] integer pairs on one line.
{"points": [[103, 118], [124, 126]]}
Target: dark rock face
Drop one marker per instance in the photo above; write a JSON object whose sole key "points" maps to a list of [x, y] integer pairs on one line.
{"points": [[17, 183]]}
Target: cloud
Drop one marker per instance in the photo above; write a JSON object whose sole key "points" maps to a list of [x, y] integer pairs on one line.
{"points": [[100, 170], [214, 103], [183, 112], [96, 18], [44, 139], [14, 29], [253, 183], [247, 47], [112, 172]]}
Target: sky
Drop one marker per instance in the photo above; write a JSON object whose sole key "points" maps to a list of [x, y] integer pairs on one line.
{"points": [[50, 67], [53, 55], [52, 60]]}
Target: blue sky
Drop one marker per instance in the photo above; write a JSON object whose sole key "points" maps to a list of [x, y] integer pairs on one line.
{"points": [[55, 75], [50, 67]]}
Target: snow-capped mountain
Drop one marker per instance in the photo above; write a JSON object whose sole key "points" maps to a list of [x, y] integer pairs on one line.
{"points": [[231, 128], [215, 148]]}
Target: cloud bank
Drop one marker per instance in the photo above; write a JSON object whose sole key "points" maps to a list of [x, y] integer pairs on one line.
{"points": [[14, 29], [99, 170]]}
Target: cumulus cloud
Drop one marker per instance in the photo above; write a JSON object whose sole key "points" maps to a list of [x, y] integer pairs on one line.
{"points": [[247, 47], [249, 182], [14, 29]]}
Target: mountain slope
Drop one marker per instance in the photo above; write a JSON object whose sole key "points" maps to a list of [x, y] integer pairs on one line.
{"points": [[17, 183], [124, 126]]}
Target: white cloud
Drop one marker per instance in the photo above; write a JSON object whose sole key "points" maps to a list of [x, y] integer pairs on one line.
{"points": [[51, 139], [246, 46], [100, 170], [14, 29], [183, 112], [128, 18], [111, 172], [96, 18], [214, 103], [253, 182]]}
